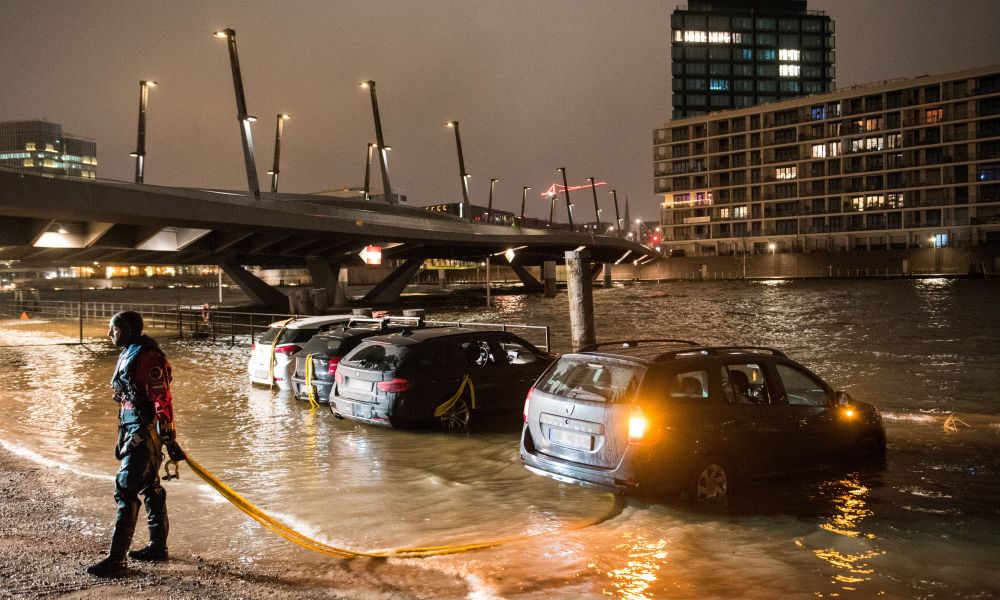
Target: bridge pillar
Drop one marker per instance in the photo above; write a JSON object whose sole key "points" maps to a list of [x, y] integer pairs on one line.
{"points": [[607, 274], [442, 279], [530, 283], [549, 277], [331, 276], [391, 287], [581, 298], [252, 286]]}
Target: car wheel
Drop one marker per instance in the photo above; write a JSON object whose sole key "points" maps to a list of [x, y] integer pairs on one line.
{"points": [[711, 484], [457, 418], [869, 449]]}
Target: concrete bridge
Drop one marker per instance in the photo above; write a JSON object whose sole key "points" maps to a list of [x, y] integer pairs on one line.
{"points": [[54, 220]]}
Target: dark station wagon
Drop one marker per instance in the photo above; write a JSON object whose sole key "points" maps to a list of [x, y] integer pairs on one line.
{"points": [[664, 418], [452, 377]]}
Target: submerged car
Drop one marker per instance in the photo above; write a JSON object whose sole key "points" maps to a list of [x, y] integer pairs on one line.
{"points": [[667, 418], [272, 354], [451, 377], [316, 364]]}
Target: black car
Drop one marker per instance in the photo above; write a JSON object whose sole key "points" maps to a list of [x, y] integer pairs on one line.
{"points": [[450, 377], [316, 363], [668, 417]]}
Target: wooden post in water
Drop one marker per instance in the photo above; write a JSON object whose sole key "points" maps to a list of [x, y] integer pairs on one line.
{"points": [[581, 298], [549, 277], [80, 289]]}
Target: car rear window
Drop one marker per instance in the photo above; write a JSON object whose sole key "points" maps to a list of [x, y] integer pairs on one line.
{"points": [[288, 336], [594, 380], [376, 357]]}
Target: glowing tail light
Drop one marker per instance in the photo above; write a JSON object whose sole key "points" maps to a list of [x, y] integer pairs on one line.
{"points": [[527, 400], [394, 385], [638, 426], [339, 377], [288, 349], [331, 367]]}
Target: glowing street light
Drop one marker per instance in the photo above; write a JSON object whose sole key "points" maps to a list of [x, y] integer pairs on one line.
{"points": [[524, 191], [386, 186], [772, 246], [242, 116], [140, 144], [462, 174], [569, 206], [282, 117]]}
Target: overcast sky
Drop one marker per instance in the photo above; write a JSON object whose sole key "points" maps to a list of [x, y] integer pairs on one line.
{"points": [[535, 84]]}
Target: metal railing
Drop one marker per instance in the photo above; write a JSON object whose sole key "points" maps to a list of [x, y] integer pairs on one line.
{"points": [[208, 323]]}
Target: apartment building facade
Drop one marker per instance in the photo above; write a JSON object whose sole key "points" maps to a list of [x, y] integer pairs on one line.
{"points": [[900, 164], [42, 146]]}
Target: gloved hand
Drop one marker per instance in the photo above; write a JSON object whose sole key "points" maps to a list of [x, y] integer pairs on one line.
{"points": [[168, 436], [174, 450]]}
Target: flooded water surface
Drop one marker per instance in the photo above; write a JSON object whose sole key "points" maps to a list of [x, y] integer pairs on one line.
{"points": [[925, 352]]}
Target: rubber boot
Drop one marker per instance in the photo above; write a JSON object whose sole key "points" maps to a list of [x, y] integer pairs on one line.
{"points": [[109, 567], [114, 564], [159, 526]]}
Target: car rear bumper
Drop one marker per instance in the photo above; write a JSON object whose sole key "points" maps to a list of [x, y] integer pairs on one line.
{"points": [[612, 480], [372, 414], [321, 393]]}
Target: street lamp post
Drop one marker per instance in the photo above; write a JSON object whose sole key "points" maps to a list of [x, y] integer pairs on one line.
{"points": [[386, 186], [524, 196], [465, 212], [569, 206], [552, 208], [277, 150], [489, 204], [140, 143], [368, 171], [593, 190], [241, 112], [618, 217]]}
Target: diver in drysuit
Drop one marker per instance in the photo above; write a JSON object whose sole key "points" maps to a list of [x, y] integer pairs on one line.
{"points": [[146, 423]]}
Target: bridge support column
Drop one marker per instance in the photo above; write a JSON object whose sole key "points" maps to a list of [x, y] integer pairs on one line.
{"points": [[581, 299], [391, 287], [530, 283], [252, 286], [331, 276], [442, 279], [607, 275], [549, 277]]}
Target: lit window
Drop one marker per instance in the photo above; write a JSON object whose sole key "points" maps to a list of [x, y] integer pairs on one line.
{"points": [[835, 149], [746, 53], [789, 70], [788, 54], [30, 146], [739, 212], [28, 162], [766, 54], [786, 173], [678, 36], [719, 37], [934, 115], [894, 200], [874, 143], [895, 140], [873, 124], [819, 150], [718, 85], [50, 148], [695, 36], [818, 114], [858, 203], [723, 213]]}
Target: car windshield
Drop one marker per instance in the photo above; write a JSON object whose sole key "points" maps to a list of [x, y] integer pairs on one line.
{"points": [[591, 379], [320, 344], [377, 357]]}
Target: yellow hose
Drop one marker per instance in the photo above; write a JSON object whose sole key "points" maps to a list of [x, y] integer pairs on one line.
{"points": [[412, 552], [309, 385]]}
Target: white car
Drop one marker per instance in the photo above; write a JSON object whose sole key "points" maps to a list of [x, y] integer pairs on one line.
{"points": [[272, 356]]}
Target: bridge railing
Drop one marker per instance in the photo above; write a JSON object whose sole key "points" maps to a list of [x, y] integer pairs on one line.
{"points": [[206, 323]]}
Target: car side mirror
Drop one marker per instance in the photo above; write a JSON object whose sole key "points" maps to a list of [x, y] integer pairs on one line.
{"points": [[843, 398]]}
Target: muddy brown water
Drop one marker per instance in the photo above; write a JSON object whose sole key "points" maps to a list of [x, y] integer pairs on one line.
{"points": [[928, 525]]}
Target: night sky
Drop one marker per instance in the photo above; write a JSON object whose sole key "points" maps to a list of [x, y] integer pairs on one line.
{"points": [[536, 85]]}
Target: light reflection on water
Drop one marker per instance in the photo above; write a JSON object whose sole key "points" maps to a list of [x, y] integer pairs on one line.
{"points": [[919, 350]]}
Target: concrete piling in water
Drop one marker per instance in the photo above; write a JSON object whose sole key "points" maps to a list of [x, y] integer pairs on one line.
{"points": [[581, 298], [607, 275], [549, 277]]}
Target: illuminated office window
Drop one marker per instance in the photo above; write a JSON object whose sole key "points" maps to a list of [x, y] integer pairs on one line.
{"points": [[789, 70], [788, 54]]}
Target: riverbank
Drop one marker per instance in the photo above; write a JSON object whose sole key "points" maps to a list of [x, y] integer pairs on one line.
{"points": [[45, 549]]}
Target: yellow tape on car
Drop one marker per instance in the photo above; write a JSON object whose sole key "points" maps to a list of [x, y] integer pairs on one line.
{"points": [[447, 404], [309, 385]]}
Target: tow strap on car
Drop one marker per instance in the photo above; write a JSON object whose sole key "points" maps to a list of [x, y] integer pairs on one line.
{"points": [[309, 378], [407, 552], [447, 404], [274, 344]]}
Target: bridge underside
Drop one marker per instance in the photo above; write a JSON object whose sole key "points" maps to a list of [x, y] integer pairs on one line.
{"points": [[50, 221]]}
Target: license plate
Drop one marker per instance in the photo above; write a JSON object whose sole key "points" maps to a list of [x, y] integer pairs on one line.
{"points": [[571, 439], [260, 375], [362, 411], [360, 385]]}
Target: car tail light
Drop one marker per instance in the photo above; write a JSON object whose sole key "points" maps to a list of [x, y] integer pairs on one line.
{"points": [[331, 367], [339, 377], [638, 426], [394, 385], [527, 399], [288, 349]]}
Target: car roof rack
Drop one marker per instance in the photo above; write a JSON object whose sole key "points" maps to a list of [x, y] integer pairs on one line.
{"points": [[720, 350], [624, 344], [386, 322]]}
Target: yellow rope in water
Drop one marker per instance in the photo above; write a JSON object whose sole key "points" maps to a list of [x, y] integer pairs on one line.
{"points": [[412, 552], [309, 385], [447, 404]]}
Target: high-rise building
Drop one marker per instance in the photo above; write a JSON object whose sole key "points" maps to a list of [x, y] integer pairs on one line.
{"points": [[42, 146], [741, 53], [896, 165]]}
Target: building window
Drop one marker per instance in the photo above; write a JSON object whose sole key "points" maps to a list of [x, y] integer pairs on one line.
{"points": [[696, 68], [723, 213], [30, 146], [874, 143], [766, 54], [695, 36], [819, 150], [695, 84], [934, 115], [744, 70], [791, 86], [894, 200], [817, 113], [786, 173], [718, 85], [789, 70], [834, 149], [739, 212], [718, 69], [766, 23], [767, 86], [745, 54], [873, 124], [718, 53]]}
